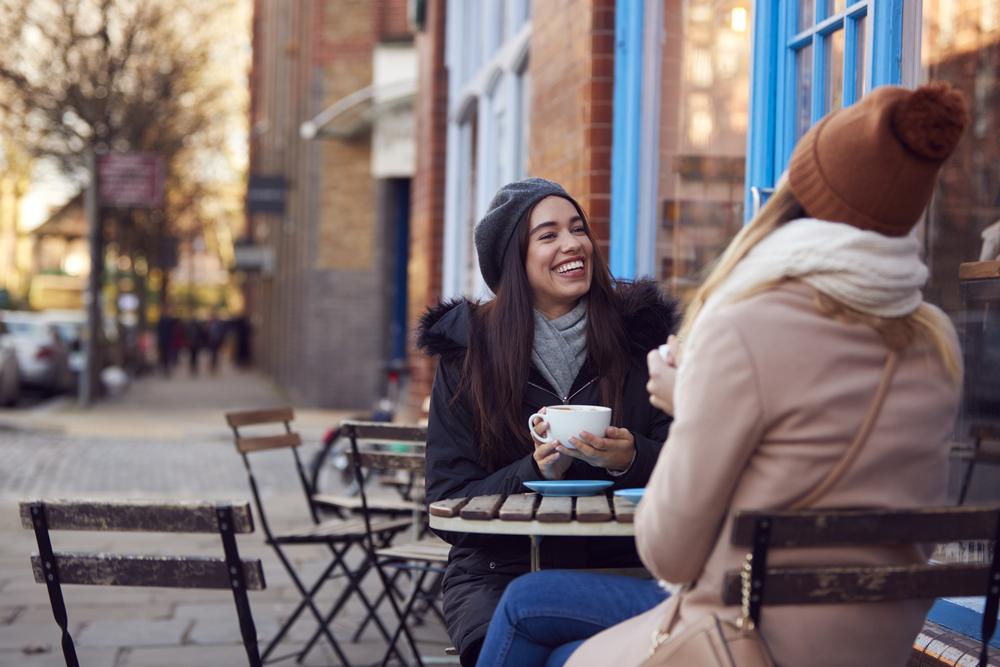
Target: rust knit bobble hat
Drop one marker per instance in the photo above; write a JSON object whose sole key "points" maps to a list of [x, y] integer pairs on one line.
{"points": [[875, 164]]}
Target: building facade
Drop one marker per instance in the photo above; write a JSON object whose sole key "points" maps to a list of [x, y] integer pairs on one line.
{"points": [[671, 121], [332, 140], [391, 124]]}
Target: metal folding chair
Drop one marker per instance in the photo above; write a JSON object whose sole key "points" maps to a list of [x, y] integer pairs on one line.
{"points": [[339, 535], [103, 569], [424, 559]]}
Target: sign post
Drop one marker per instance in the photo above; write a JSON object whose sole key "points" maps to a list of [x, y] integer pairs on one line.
{"points": [[89, 377], [266, 194], [131, 180], [123, 180]]}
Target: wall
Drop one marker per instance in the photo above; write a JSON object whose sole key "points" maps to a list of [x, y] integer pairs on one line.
{"points": [[572, 75], [320, 322], [427, 209]]}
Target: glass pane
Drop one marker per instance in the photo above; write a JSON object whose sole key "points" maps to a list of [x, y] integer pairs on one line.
{"points": [[862, 70], [704, 109], [803, 92], [834, 83], [960, 46], [834, 6], [522, 163], [807, 14]]}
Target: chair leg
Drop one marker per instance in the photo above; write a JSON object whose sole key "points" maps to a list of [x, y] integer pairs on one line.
{"points": [[401, 628], [429, 596], [307, 602], [376, 604], [354, 586], [40, 523]]}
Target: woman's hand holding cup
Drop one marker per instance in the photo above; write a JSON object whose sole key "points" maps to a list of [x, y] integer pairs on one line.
{"points": [[565, 432], [662, 364], [615, 451], [550, 462]]}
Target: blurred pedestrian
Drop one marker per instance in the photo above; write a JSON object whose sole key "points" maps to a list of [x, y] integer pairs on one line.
{"points": [[195, 341], [178, 340], [215, 331], [242, 330], [165, 340]]}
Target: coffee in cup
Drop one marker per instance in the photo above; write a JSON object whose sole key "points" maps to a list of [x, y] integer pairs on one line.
{"points": [[568, 421]]}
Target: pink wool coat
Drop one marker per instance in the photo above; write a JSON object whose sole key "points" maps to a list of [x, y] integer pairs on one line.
{"points": [[775, 394]]}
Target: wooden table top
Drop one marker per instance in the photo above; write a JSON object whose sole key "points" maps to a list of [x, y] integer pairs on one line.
{"points": [[534, 514]]}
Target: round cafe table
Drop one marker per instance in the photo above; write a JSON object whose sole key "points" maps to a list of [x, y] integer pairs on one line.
{"points": [[536, 516]]}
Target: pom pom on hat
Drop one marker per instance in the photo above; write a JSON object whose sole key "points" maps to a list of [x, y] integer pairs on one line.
{"points": [[931, 120], [875, 164]]}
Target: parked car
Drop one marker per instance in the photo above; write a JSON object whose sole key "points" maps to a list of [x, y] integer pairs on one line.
{"points": [[10, 373], [69, 325], [41, 355]]}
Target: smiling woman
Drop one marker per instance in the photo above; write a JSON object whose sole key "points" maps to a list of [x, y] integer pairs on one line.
{"points": [[558, 261], [560, 330]]}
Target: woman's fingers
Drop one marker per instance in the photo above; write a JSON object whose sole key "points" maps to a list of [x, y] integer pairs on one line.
{"points": [[539, 426], [660, 386], [614, 452], [672, 354]]}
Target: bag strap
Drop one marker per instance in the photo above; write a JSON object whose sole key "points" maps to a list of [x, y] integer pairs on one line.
{"points": [[811, 496], [849, 457]]}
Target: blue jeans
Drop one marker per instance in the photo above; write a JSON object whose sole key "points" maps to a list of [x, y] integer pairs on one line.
{"points": [[544, 616]]}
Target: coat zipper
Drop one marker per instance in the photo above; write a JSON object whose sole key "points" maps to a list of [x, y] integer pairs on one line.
{"points": [[567, 399]]}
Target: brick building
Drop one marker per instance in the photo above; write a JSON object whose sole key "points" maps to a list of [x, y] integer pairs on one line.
{"points": [[483, 86], [619, 102], [332, 125]]}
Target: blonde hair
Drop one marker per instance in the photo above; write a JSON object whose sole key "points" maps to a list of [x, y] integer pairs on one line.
{"points": [[899, 333]]}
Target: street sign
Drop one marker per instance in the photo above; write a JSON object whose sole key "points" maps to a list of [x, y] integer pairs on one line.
{"points": [[133, 180], [266, 194], [253, 258]]}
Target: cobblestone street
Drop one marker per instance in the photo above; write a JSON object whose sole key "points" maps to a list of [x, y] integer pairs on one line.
{"points": [[163, 439]]}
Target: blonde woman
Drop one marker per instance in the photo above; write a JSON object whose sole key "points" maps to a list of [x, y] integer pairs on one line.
{"points": [[778, 361]]}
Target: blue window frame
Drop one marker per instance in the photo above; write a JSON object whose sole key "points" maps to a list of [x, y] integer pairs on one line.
{"points": [[811, 57]]}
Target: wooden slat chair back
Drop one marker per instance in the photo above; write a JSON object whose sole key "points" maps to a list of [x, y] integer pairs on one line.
{"points": [[425, 559], [340, 535], [288, 439], [102, 569], [760, 531]]}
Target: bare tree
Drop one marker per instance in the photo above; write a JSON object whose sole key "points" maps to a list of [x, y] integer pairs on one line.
{"points": [[121, 75], [163, 76]]}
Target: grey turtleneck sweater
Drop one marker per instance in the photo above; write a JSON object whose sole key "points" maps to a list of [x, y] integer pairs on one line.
{"points": [[560, 347]]}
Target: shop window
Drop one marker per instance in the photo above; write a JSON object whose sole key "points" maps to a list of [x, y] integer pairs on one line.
{"points": [[960, 44], [705, 86], [827, 54], [813, 57]]}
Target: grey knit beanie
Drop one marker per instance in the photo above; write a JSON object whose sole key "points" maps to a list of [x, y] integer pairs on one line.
{"points": [[495, 229]]}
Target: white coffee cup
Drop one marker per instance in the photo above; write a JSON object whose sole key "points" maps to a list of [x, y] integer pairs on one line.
{"points": [[568, 421]]}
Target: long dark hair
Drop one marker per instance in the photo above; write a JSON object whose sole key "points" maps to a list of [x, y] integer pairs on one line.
{"points": [[501, 334]]}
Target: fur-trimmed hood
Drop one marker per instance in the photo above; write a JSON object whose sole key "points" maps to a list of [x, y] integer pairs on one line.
{"points": [[649, 318]]}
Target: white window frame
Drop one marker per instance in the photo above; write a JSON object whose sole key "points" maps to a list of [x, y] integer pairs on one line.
{"points": [[480, 89]]}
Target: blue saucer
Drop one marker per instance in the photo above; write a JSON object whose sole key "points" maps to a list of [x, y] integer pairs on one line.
{"points": [[635, 495], [569, 487]]}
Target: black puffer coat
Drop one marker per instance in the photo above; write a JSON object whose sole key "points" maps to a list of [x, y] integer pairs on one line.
{"points": [[481, 566]]}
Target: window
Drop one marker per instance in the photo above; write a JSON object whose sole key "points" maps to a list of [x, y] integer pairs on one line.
{"points": [[960, 44], [705, 87], [523, 129], [813, 57], [489, 94], [825, 72]]}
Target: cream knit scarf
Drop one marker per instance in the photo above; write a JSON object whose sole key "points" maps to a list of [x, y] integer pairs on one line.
{"points": [[872, 273]]}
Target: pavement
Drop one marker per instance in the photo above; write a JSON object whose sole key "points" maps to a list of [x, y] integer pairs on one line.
{"points": [[165, 438]]}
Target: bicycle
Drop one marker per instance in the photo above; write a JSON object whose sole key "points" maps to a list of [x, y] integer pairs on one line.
{"points": [[330, 466]]}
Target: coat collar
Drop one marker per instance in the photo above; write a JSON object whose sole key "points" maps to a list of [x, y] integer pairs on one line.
{"points": [[648, 318]]}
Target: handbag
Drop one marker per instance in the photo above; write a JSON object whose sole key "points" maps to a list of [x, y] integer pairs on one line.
{"points": [[713, 642]]}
